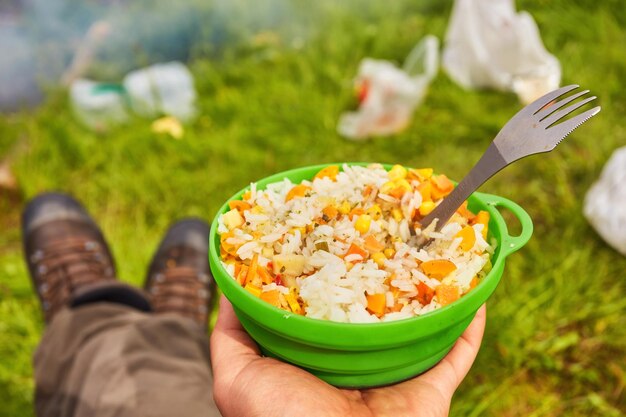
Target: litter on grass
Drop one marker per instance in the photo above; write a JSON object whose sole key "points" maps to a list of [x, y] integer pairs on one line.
{"points": [[605, 202], [388, 95], [489, 45]]}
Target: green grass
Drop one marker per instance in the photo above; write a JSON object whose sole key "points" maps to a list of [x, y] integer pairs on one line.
{"points": [[555, 342]]}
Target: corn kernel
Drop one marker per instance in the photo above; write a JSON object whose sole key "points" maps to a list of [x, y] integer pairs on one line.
{"points": [[388, 187], [404, 184], [397, 214], [363, 223], [379, 258], [389, 252], [426, 207], [397, 172], [345, 208], [375, 211], [425, 172]]}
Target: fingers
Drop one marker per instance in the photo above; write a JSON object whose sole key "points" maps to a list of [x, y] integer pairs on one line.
{"points": [[448, 374], [231, 347]]}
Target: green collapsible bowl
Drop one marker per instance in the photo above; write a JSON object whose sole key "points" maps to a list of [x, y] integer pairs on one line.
{"points": [[373, 354]]}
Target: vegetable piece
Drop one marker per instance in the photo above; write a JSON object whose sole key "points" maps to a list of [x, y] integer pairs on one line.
{"points": [[232, 219], [357, 211], [322, 246], [271, 297], [292, 300], [373, 245], [297, 191], [464, 211], [447, 294], [252, 271], [354, 249], [468, 238], [265, 275], [396, 213], [243, 275], [482, 218], [345, 208], [473, 283], [363, 223], [389, 252], [379, 258], [330, 172], [227, 247], [239, 205], [330, 212], [253, 289], [247, 195], [425, 190], [376, 303], [397, 172], [424, 293], [442, 186], [426, 208], [288, 264], [438, 268], [375, 211], [387, 187]]}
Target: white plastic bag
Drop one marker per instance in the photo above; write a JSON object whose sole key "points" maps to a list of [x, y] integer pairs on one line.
{"points": [[98, 105], [489, 45], [605, 202], [162, 89], [389, 95]]}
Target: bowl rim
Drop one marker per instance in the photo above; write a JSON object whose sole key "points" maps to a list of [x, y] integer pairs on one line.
{"points": [[274, 319]]}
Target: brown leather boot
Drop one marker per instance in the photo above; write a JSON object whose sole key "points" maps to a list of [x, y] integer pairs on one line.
{"points": [[179, 280], [64, 249]]}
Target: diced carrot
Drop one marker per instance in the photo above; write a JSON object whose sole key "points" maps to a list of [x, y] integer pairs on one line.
{"points": [[424, 293], [376, 303], [357, 211], [227, 247], [465, 212], [468, 238], [354, 249], [442, 186], [482, 218], [447, 294], [252, 270], [330, 172], [397, 307], [241, 206], [243, 275], [473, 283], [367, 191], [425, 190], [297, 191], [271, 297], [373, 245], [397, 192], [247, 195], [330, 212], [438, 268], [237, 268], [266, 277]]}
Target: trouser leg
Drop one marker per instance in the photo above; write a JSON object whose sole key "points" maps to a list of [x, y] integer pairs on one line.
{"points": [[105, 359]]}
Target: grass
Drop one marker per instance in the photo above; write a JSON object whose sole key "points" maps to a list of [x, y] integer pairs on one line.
{"points": [[270, 96]]}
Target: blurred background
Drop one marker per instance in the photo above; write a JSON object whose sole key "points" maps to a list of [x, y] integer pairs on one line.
{"points": [[268, 80]]}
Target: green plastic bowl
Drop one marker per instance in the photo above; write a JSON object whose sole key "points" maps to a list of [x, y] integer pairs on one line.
{"points": [[373, 354]]}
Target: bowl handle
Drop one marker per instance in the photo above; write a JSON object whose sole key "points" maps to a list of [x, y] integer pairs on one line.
{"points": [[510, 243]]}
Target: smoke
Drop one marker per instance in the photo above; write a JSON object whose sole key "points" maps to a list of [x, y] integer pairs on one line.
{"points": [[52, 42]]}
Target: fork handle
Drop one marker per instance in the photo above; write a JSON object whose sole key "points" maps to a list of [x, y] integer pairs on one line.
{"points": [[490, 163]]}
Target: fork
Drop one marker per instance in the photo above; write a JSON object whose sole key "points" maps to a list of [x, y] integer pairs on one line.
{"points": [[532, 130]]}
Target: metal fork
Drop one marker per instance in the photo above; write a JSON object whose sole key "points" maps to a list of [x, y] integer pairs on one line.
{"points": [[532, 130]]}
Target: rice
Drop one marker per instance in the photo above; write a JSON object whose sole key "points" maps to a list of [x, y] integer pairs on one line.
{"points": [[345, 246]]}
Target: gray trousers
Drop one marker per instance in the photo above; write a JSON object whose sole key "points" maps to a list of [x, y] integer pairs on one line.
{"points": [[106, 359]]}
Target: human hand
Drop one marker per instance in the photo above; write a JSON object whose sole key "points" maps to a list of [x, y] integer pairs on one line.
{"points": [[248, 384]]}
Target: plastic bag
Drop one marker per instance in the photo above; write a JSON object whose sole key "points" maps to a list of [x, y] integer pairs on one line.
{"points": [[162, 89], [489, 45], [98, 105], [605, 202], [389, 95]]}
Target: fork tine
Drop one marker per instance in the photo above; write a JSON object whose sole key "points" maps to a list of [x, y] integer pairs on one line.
{"points": [[546, 111], [556, 116], [540, 103], [565, 128]]}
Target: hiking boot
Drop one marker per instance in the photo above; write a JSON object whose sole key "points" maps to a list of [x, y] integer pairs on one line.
{"points": [[65, 250], [179, 280]]}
